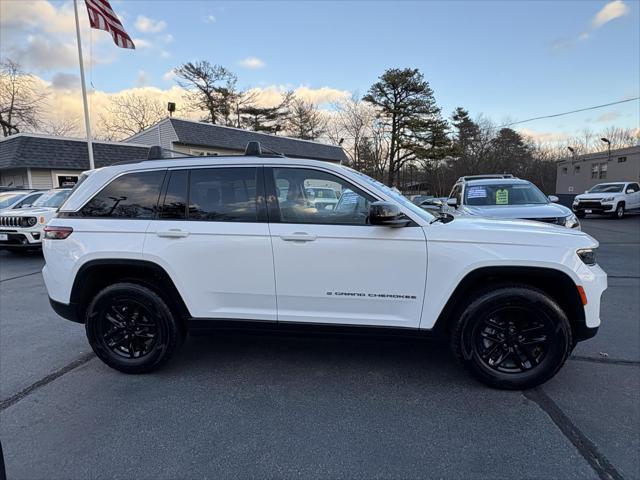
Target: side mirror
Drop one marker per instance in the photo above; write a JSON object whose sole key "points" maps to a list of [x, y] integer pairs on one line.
{"points": [[386, 214], [26, 205], [586, 191], [452, 202], [553, 198], [630, 190]]}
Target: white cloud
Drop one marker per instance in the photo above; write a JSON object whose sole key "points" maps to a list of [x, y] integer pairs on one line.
{"points": [[611, 11], [608, 117], [41, 52], [167, 38], [149, 25], [252, 63], [543, 137], [209, 19], [65, 81], [272, 95], [142, 43], [169, 76], [142, 79]]}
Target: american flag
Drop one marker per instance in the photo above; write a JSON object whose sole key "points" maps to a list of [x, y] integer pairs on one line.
{"points": [[102, 17]]}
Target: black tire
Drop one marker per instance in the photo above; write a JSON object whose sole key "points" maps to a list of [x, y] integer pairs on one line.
{"points": [[498, 337], [619, 211], [131, 329]]}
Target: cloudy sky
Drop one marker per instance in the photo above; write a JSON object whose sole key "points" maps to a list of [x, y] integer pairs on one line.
{"points": [[506, 60]]}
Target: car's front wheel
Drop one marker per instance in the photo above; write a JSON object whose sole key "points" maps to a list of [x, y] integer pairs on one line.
{"points": [[619, 212], [512, 337], [131, 328]]}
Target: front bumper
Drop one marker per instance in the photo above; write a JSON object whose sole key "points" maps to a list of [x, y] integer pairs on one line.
{"points": [[66, 311], [20, 239], [594, 281], [593, 207]]}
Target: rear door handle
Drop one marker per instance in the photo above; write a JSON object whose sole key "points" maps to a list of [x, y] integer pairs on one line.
{"points": [[298, 237], [173, 233]]}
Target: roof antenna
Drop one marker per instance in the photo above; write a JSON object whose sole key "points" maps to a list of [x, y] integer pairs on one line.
{"points": [[253, 149]]}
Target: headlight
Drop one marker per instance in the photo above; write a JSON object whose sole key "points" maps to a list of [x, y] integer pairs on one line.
{"points": [[587, 255], [608, 199], [571, 221], [26, 222]]}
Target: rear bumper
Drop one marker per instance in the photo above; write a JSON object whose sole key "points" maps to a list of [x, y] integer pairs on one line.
{"points": [[67, 311]]}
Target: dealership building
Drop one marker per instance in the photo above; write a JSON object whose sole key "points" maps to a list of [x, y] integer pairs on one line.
{"points": [[38, 161], [580, 173]]}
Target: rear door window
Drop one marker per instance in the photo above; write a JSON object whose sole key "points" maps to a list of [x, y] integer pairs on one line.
{"points": [[223, 194], [134, 196], [174, 202]]}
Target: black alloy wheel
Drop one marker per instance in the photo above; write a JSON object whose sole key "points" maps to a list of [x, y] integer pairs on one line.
{"points": [[132, 329], [512, 336], [512, 339]]}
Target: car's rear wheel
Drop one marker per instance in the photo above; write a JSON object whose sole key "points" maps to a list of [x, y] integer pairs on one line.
{"points": [[619, 212], [131, 328], [512, 337]]}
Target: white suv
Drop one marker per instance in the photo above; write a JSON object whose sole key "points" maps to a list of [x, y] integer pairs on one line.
{"points": [[22, 229], [141, 253], [613, 198]]}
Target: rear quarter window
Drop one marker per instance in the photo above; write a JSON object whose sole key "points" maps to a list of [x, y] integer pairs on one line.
{"points": [[133, 195]]}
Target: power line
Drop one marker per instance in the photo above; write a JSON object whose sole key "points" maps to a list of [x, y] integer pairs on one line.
{"points": [[568, 113]]}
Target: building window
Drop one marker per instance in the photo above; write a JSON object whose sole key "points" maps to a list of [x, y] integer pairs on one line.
{"points": [[622, 159], [564, 170], [594, 170], [576, 169], [603, 170]]}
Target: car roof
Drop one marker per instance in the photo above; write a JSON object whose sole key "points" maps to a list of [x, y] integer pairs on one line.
{"points": [[499, 181]]}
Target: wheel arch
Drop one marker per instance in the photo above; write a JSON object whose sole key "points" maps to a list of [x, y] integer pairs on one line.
{"points": [[95, 275], [555, 283]]}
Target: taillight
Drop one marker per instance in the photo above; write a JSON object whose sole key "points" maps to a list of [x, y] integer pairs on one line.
{"points": [[57, 233]]}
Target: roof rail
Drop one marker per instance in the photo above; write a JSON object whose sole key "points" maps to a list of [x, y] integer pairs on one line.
{"points": [[255, 149], [485, 177]]}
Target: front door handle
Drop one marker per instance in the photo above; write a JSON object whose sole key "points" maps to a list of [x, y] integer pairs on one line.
{"points": [[298, 237], [173, 233]]}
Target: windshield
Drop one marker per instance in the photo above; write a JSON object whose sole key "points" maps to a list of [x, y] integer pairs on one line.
{"points": [[52, 199], [8, 199], [504, 194], [398, 197], [607, 188]]}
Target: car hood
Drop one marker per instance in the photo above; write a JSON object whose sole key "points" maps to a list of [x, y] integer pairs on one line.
{"points": [[470, 229], [24, 212], [548, 210], [594, 196]]}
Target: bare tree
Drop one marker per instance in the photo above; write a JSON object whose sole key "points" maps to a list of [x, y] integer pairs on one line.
{"points": [[21, 101], [212, 89], [60, 128], [305, 120], [352, 122], [128, 114]]}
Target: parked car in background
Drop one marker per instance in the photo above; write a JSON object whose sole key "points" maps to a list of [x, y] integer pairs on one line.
{"points": [[508, 197], [15, 199], [612, 198], [21, 229], [322, 197], [434, 205]]}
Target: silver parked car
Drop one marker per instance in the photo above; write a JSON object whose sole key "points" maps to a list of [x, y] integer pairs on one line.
{"points": [[505, 196]]}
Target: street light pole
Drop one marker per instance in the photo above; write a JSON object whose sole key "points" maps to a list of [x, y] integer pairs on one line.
{"points": [[608, 142]]}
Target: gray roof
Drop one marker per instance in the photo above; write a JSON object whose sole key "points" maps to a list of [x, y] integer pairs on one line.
{"points": [[41, 151], [202, 134]]}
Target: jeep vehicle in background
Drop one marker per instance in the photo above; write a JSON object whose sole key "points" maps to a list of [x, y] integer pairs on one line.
{"points": [[508, 197], [611, 198], [21, 229], [142, 253], [11, 200]]}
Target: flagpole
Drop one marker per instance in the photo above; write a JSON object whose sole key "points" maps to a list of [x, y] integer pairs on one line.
{"points": [[84, 90]]}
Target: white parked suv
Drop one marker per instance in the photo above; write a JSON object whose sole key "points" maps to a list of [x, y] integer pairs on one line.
{"points": [[612, 198], [143, 252], [22, 229]]}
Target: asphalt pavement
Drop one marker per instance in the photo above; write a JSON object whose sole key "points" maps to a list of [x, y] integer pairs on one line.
{"points": [[312, 407]]}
